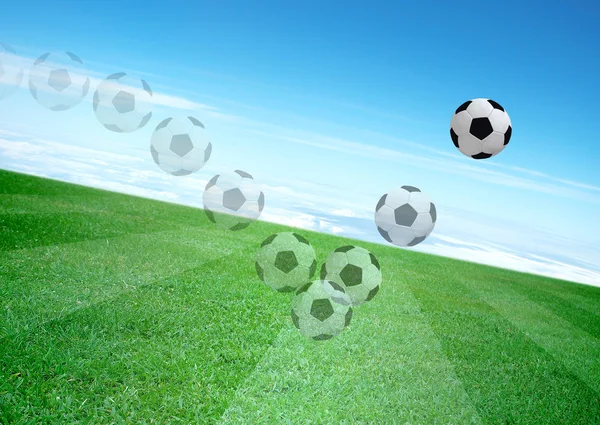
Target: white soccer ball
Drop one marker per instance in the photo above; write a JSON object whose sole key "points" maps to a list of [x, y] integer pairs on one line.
{"points": [[315, 312], [356, 270], [122, 103], [405, 216], [286, 261], [180, 146], [233, 200], [11, 72], [480, 128], [58, 81]]}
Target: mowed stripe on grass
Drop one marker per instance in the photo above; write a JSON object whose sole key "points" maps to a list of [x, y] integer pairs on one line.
{"points": [[511, 377], [387, 368]]}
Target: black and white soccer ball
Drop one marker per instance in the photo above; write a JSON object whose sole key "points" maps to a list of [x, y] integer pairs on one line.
{"points": [[405, 216], [480, 128], [180, 146], [356, 269], [315, 312], [11, 71], [122, 103], [58, 81], [233, 200], [286, 261]]}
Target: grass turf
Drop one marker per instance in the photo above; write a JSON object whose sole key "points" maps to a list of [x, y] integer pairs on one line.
{"points": [[116, 309]]}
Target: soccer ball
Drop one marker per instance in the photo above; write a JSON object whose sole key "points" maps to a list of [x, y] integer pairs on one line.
{"points": [[57, 81], [286, 261], [233, 200], [356, 269], [405, 216], [316, 314], [180, 146], [480, 128], [11, 73], [122, 103]]}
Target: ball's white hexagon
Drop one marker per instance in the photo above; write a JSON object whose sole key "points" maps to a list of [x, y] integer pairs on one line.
{"points": [[500, 121], [420, 202], [58, 81], [479, 108], [397, 197], [401, 235], [423, 225], [461, 122], [11, 75], [493, 144], [384, 217], [122, 103], [469, 144]]}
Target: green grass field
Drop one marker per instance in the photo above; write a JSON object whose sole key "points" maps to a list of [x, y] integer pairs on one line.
{"points": [[121, 310]]}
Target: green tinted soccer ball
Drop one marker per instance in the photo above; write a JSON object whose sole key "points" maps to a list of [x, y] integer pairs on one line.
{"points": [[356, 269], [316, 313], [286, 261]]}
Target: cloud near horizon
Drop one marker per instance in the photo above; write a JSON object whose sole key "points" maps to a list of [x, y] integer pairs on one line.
{"points": [[139, 176]]}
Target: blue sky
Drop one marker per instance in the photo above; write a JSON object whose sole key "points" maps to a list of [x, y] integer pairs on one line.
{"points": [[331, 104]]}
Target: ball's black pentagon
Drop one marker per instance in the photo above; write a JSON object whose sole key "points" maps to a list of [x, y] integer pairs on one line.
{"points": [[411, 189], [74, 57], [196, 122], [351, 275], [233, 199], [116, 75], [210, 215], [181, 144], [181, 172], [212, 182], [41, 59], [268, 240], [336, 286], [463, 107], [374, 261], [405, 215], [481, 127], [259, 271], [481, 155], [261, 201], [145, 119], [163, 124], [60, 107], [381, 202], [243, 174], [295, 319], [207, 152], [286, 289], [304, 288], [323, 271], [372, 293], [286, 261], [124, 102], [321, 309], [507, 135], [322, 337], [312, 269], [495, 105], [348, 317], [384, 234], [345, 248], [239, 226], [417, 241], [432, 212], [300, 238], [454, 137], [95, 101], [59, 79], [146, 87], [154, 153]]}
